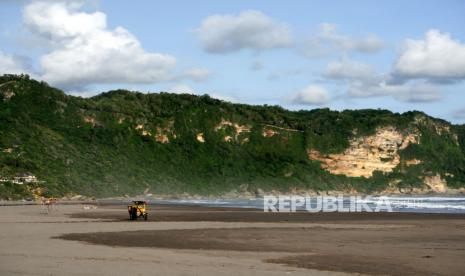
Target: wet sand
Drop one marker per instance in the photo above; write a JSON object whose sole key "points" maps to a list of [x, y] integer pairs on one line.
{"points": [[186, 213], [187, 240]]}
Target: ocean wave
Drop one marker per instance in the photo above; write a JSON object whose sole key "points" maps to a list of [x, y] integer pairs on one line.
{"points": [[422, 198], [398, 203]]}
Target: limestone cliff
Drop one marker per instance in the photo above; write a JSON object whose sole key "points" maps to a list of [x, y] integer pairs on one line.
{"points": [[436, 183], [378, 152]]}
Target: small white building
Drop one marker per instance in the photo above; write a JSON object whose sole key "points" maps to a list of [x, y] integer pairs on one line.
{"points": [[25, 178]]}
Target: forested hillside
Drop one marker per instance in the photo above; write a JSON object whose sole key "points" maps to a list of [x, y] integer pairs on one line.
{"points": [[123, 142]]}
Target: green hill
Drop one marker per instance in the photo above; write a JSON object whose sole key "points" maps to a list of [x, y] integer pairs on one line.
{"points": [[123, 142]]}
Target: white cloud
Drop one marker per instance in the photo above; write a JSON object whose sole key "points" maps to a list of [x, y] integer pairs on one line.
{"points": [[417, 92], [459, 114], [85, 51], [225, 98], [180, 88], [347, 69], [61, 20], [11, 64], [328, 40], [437, 56], [83, 94], [363, 82], [311, 95], [248, 30], [196, 74]]}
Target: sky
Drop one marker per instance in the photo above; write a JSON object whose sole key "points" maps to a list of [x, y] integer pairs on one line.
{"points": [[396, 55]]}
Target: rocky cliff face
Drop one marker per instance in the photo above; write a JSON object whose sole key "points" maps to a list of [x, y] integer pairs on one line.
{"points": [[378, 152], [237, 131], [436, 183]]}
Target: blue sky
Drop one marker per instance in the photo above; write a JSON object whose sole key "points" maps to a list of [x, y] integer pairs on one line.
{"points": [[398, 55]]}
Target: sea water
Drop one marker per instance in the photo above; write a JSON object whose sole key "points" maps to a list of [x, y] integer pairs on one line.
{"points": [[415, 204]]}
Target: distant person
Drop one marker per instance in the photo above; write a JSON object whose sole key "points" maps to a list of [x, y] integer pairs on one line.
{"points": [[48, 203]]}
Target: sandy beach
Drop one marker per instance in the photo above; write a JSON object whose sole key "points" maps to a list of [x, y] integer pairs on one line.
{"points": [[190, 240]]}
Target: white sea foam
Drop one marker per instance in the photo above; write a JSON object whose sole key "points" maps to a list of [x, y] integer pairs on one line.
{"points": [[436, 204]]}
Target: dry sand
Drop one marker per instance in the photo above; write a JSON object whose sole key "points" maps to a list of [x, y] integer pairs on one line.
{"points": [[214, 241]]}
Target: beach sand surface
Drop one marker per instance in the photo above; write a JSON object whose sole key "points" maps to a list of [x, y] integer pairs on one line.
{"points": [[192, 240]]}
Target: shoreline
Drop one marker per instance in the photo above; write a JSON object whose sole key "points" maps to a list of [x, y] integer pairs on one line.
{"points": [[415, 204], [254, 195]]}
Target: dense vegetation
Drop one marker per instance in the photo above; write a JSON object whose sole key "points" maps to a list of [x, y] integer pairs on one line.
{"points": [[92, 146]]}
